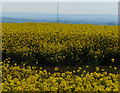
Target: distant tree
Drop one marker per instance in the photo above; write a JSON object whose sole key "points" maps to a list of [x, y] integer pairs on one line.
{"points": [[111, 23]]}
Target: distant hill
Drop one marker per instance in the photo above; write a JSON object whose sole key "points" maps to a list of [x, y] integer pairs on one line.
{"points": [[52, 18]]}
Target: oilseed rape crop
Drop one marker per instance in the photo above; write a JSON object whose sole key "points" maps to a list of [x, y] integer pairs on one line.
{"points": [[16, 78], [56, 44], [27, 46]]}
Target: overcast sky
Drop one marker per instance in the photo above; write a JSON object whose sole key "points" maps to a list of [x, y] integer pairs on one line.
{"points": [[64, 7], [60, 0]]}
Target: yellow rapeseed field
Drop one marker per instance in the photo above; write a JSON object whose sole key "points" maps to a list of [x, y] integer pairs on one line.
{"points": [[16, 78], [59, 44], [56, 43]]}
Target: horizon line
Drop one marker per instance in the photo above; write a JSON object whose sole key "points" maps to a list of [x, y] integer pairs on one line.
{"points": [[56, 13]]}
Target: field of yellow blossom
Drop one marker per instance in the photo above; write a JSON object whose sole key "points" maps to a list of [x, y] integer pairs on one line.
{"points": [[62, 58], [16, 78], [61, 44]]}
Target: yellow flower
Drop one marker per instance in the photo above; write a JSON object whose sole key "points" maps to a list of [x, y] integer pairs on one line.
{"points": [[87, 66], [8, 61], [101, 79], [73, 71], [115, 68], [110, 66], [56, 69], [36, 62], [97, 68], [78, 70], [103, 69], [49, 73], [33, 67], [15, 64], [95, 56], [40, 67], [84, 71], [63, 74], [112, 60], [105, 73]]}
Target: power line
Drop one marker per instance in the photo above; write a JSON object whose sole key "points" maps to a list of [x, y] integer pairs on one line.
{"points": [[57, 12]]}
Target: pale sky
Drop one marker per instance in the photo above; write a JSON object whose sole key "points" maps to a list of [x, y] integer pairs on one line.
{"points": [[60, 0], [64, 7]]}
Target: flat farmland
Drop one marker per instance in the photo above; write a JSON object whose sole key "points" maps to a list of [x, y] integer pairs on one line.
{"points": [[60, 57]]}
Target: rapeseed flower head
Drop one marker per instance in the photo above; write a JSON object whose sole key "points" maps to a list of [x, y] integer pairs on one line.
{"points": [[112, 60]]}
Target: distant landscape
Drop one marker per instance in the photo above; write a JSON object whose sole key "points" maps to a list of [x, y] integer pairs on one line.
{"points": [[97, 19], [60, 46]]}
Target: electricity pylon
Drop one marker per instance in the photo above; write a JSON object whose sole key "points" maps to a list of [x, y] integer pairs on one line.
{"points": [[57, 12]]}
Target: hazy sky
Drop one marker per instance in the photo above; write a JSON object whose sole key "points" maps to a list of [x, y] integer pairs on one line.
{"points": [[64, 7], [60, 0]]}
